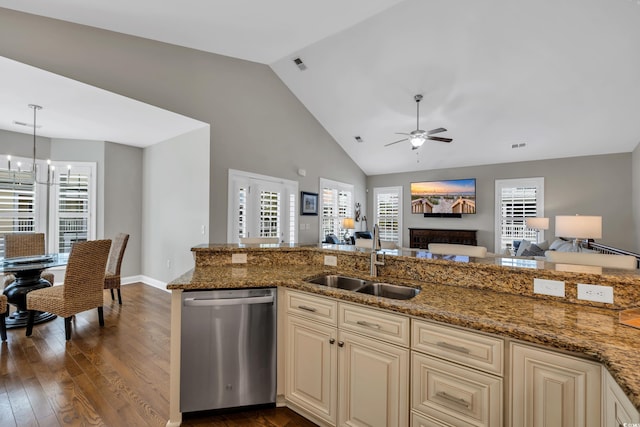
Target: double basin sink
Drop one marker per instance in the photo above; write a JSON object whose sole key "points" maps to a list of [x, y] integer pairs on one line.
{"points": [[362, 286]]}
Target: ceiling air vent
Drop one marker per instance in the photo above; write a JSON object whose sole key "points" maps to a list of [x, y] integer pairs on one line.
{"points": [[29, 125], [300, 64], [358, 139], [520, 145]]}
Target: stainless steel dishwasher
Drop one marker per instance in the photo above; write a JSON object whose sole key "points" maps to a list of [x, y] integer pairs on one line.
{"points": [[228, 355]]}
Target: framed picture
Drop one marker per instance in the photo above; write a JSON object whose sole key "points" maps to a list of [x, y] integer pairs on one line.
{"points": [[308, 203]]}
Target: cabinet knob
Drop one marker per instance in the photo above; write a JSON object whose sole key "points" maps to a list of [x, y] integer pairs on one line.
{"points": [[332, 340], [340, 343]]}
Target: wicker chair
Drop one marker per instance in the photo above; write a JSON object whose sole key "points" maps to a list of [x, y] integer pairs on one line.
{"points": [[82, 289], [24, 244], [3, 313], [112, 277]]}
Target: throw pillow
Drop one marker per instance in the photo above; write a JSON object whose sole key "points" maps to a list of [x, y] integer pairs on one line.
{"points": [[544, 245], [533, 250], [523, 245], [556, 244]]}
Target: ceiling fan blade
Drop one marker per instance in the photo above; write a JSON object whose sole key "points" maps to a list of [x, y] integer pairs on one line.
{"points": [[437, 138], [438, 130], [395, 142], [402, 133]]}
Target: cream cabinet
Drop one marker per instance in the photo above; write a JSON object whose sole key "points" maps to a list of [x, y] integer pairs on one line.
{"points": [[343, 366], [618, 411], [311, 355], [549, 388], [311, 367], [456, 377]]}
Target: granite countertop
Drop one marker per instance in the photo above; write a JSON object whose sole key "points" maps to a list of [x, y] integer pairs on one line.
{"points": [[591, 331]]}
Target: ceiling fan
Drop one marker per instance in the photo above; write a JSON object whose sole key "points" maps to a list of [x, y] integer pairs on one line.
{"points": [[418, 136]]}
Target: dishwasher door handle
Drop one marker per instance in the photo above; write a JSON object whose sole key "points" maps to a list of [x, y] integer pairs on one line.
{"points": [[216, 302]]}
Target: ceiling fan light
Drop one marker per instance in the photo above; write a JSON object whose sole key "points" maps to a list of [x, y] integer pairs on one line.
{"points": [[416, 140]]}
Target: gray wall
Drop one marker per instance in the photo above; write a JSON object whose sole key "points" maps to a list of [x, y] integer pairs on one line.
{"points": [[21, 144], [123, 201], [591, 185], [257, 125], [175, 205]]}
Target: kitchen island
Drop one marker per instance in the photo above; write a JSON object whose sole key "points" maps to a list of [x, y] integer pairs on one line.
{"points": [[493, 296]]}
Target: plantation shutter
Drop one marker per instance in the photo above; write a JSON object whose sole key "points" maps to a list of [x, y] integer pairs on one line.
{"points": [[17, 203], [517, 200], [73, 208], [388, 213], [337, 203]]}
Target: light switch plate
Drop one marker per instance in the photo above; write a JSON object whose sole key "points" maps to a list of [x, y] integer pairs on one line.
{"points": [[331, 260], [595, 293], [238, 258], [548, 287]]}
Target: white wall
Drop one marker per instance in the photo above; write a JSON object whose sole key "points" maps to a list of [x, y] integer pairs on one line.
{"points": [[590, 185], [175, 203]]}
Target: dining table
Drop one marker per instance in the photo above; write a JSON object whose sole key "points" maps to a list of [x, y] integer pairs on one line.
{"points": [[27, 272]]}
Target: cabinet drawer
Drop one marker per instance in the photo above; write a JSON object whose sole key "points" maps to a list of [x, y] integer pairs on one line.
{"points": [[421, 420], [454, 394], [312, 307], [465, 347], [393, 328]]}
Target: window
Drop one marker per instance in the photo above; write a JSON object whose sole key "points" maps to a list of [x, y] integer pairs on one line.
{"points": [[72, 196], [261, 206], [61, 206], [336, 202], [517, 199], [387, 206]]}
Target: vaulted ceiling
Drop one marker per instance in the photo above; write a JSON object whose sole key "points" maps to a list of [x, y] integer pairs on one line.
{"points": [[550, 78]]}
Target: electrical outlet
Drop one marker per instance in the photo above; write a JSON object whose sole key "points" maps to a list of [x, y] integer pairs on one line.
{"points": [[238, 258], [548, 287], [331, 260], [595, 293]]}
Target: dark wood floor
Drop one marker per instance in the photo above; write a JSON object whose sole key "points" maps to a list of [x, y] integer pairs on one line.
{"points": [[112, 376]]}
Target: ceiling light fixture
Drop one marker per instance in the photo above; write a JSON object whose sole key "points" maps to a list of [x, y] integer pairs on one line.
{"points": [[417, 139]]}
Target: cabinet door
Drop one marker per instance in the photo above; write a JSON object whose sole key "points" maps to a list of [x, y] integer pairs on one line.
{"points": [[373, 385], [311, 366], [618, 409], [552, 389]]}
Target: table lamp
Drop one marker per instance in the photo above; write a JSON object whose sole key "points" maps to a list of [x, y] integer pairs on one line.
{"points": [[537, 224], [579, 227], [347, 224]]}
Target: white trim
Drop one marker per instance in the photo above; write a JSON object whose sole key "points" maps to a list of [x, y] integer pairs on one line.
{"points": [[146, 280]]}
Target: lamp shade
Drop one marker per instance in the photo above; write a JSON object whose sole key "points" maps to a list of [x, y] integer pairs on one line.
{"points": [[539, 223], [579, 226], [347, 223]]}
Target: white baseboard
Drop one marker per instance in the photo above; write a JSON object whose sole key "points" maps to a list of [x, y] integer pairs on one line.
{"points": [[146, 280]]}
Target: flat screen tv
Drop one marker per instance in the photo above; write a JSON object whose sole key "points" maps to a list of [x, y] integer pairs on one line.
{"points": [[448, 198]]}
